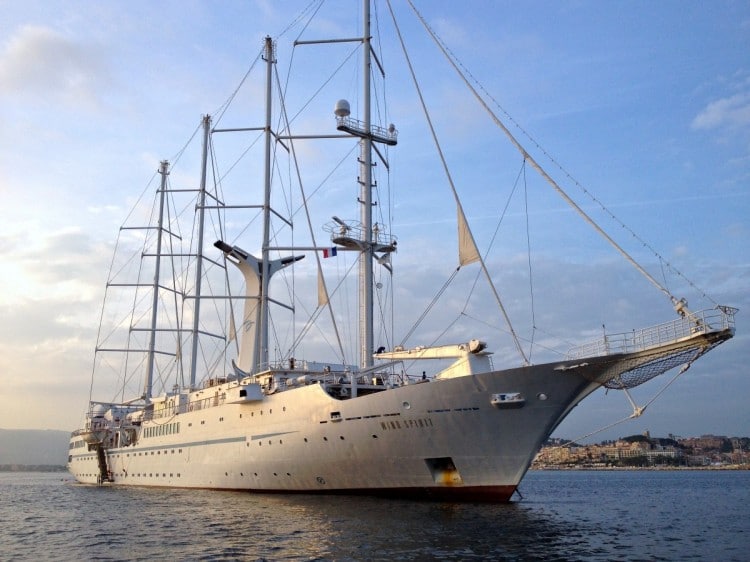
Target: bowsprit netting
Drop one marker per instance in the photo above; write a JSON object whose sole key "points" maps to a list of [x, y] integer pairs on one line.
{"points": [[655, 350]]}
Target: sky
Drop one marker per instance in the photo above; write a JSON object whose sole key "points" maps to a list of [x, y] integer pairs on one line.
{"points": [[645, 104]]}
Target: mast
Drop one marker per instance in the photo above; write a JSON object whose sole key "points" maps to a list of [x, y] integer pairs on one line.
{"points": [[148, 383], [201, 207], [261, 349], [367, 240], [365, 263]]}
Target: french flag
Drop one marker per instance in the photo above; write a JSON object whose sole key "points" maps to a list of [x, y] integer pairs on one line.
{"points": [[329, 252]]}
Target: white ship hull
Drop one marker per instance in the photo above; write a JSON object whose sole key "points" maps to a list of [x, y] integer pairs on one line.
{"points": [[453, 438], [399, 441]]}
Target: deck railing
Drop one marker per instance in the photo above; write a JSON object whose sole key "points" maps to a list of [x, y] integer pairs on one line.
{"points": [[693, 323]]}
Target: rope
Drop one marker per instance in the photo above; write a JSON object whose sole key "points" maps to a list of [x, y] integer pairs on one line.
{"points": [[462, 72], [528, 256], [638, 410], [293, 153], [453, 186], [429, 307]]}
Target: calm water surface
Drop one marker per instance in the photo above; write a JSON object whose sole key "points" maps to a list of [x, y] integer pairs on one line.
{"points": [[562, 516]]}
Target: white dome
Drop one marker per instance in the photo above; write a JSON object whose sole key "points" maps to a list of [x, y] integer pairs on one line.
{"points": [[342, 108]]}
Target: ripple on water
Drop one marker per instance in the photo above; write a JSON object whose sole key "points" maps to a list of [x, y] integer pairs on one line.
{"points": [[628, 516]]}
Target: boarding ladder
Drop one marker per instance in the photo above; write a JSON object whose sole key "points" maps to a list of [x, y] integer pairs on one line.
{"points": [[104, 474]]}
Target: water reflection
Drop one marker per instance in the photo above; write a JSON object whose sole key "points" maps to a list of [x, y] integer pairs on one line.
{"points": [[575, 516]]}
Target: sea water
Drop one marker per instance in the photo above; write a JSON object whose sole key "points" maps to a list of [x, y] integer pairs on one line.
{"points": [[576, 515]]}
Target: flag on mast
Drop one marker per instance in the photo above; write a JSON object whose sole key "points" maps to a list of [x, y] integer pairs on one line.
{"points": [[329, 252]]}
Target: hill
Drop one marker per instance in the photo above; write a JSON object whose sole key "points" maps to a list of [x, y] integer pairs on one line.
{"points": [[33, 447]]}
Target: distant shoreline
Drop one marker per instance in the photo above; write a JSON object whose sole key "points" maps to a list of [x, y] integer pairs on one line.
{"points": [[638, 468], [32, 468]]}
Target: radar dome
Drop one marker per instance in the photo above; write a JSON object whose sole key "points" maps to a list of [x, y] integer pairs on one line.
{"points": [[342, 108], [98, 410]]}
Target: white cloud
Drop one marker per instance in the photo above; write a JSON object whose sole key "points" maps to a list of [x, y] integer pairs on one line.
{"points": [[40, 62], [732, 112]]}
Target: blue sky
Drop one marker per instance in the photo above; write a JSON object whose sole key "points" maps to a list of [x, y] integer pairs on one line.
{"points": [[645, 104]]}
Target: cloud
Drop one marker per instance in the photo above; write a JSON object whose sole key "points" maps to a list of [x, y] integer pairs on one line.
{"points": [[732, 112], [50, 266], [40, 62]]}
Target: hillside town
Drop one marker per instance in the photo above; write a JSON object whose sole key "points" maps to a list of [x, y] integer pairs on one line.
{"points": [[644, 451]]}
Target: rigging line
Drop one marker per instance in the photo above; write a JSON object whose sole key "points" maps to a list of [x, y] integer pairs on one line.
{"points": [[536, 165], [310, 228], [528, 255], [452, 185], [410, 364], [101, 318], [429, 307], [323, 182], [557, 337], [135, 205], [637, 411], [218, 114], [383, 114], [314, 316], [282, 96], [320, 89], [242, 155], [500, 329], [495, 234], [606, 427], [176, 158], [300, 16], [684, 368], [175, 278], [445, 331]]}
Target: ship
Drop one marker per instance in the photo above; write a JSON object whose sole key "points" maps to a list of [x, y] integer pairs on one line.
{"points": [[213, 388]]}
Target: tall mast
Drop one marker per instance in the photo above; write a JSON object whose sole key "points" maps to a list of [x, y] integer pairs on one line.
{"points": [[365, 179], [201, 206], [261, 350], [147, 387]]}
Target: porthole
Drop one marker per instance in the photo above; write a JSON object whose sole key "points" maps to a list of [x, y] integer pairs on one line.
{"points": [[407, 406], [541, 396]]}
